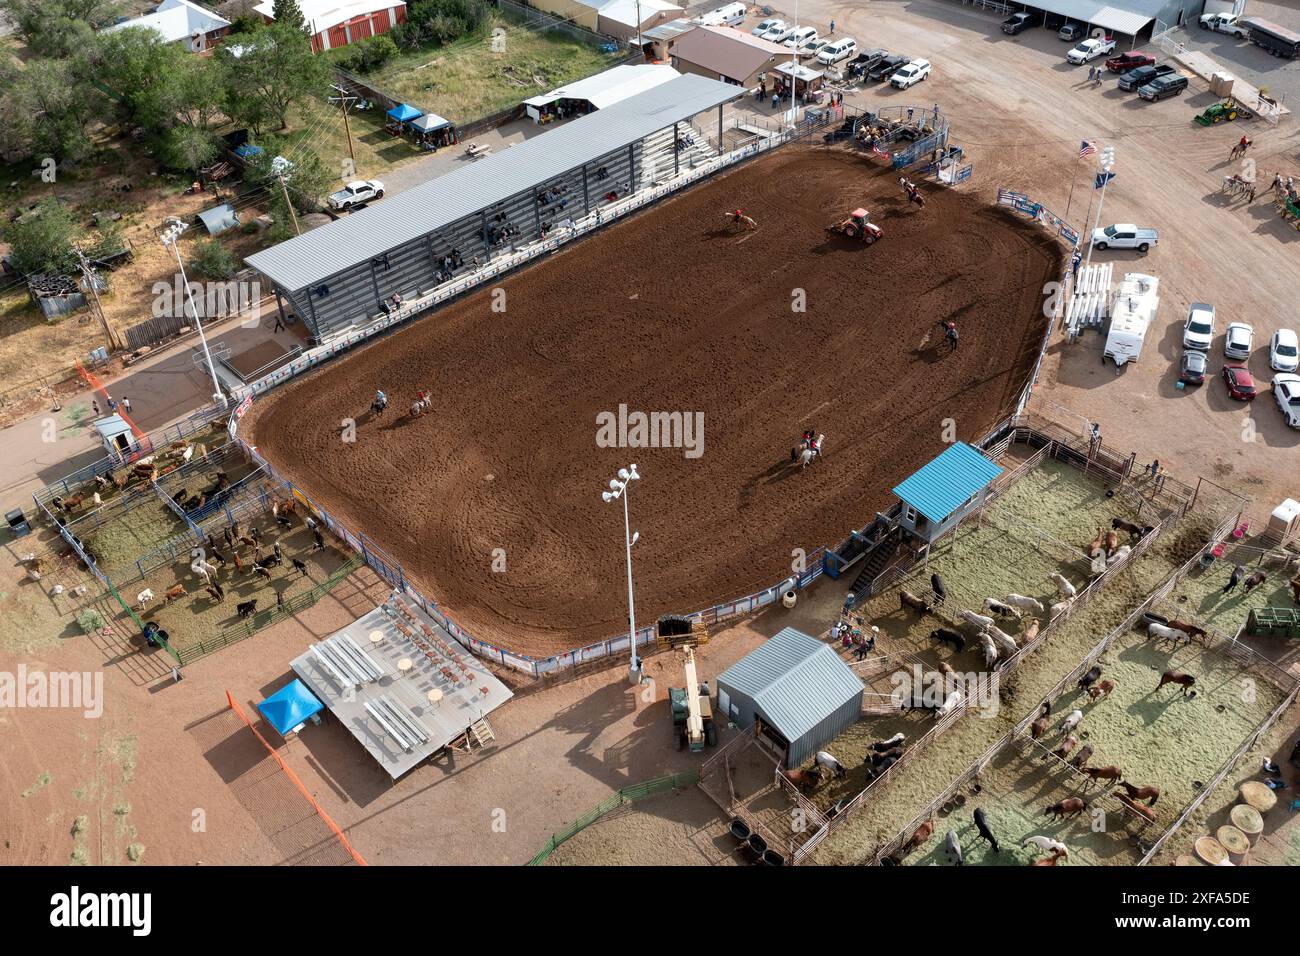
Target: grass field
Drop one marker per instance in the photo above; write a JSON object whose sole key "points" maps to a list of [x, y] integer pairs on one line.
{"points": [[466, 80]]}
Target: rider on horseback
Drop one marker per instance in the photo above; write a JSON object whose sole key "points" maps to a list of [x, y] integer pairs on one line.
{"points": [[381, 400]]}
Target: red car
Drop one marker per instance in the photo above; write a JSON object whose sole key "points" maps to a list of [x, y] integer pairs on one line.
{"points": [[1129, 61], [1241, 384]]}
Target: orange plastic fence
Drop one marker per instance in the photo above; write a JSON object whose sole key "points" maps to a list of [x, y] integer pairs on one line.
{"points": [[98, 386], [297, 783]]}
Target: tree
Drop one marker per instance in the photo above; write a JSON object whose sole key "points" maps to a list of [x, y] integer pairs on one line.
{"points": [[306, 176], [288, 13], [211, 260], [275, 71], [45, 242], [46, 109], [141, 67], [58, 28]]}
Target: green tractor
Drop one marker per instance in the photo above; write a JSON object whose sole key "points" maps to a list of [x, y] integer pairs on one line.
{"points": [[1226, 111]]}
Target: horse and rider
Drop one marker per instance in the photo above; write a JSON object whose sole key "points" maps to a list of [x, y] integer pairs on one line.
{"points": [[809, 447], [739, 219], [380, 402]]}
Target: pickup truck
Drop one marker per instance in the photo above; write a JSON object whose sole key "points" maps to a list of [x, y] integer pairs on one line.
{"points": [[1091, 49], [1143, 75], [1223, 23], [1018, 22], [356, 193]]}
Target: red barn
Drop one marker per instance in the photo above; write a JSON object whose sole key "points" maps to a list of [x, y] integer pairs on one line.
{"points": [[336, 23]]}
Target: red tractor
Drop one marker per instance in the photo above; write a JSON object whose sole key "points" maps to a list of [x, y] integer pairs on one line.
{"points": [[858, 226]]}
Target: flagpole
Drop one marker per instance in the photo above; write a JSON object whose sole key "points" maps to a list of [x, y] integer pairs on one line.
{"points": [[1073, 178], [1107, 161]]}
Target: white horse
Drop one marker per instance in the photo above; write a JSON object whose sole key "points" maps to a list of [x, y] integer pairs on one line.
{"points": [[421, 405], [803, 454]]}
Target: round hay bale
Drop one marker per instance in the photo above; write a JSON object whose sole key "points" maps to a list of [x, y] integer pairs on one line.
{"points": [[1234, 841], [1211, 851], [1248, 820], [1186, 860], [1257, 795]]}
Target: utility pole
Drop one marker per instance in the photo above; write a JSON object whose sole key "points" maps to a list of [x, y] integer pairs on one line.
{"points": [[346, 100], [639, 47], [89, 278], [289, 202]]}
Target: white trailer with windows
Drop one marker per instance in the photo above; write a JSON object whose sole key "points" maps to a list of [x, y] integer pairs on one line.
{"points": [[1131, 313]]}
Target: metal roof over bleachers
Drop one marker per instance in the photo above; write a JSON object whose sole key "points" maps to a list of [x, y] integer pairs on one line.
{"points": [[946, 483], [327, 250]]}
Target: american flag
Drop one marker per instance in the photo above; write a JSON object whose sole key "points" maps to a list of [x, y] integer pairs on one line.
{"points": [[1087, 147]]}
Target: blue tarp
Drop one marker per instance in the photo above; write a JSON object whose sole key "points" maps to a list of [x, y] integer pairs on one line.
{"points": [[290, 706], [248, 149], [404, 113]]}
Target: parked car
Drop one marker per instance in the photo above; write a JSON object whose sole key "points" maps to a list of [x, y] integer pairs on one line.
{"points": [[1125, 235], [1286, 389], [1019, 22], [1283, 351], [910, 74], [1237, 343], [1198, 330], [1129, 61], [1191, 370], [1072, 31], [837, 50], [1241, 384], [800, 39], [1163, 87], [888, 66], [1223, 23], [779, 33], [357, 192], [863, 63], [813, 48], [1143, 75], [771, 23], [1091, 49]]}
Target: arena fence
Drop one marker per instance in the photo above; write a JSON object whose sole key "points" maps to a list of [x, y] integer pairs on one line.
{"points": [[621, 798], [293, 777], [1040, 214]]}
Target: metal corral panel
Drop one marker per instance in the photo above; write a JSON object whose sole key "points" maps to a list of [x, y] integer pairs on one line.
{"points": [[949, 481], [799, 686], [361, 236]]}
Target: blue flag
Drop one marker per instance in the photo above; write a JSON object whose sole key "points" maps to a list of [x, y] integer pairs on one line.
{"points": [[1102, 179]]}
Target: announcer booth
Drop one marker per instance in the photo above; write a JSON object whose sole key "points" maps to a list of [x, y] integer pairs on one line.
{"points": [[941, 493]]}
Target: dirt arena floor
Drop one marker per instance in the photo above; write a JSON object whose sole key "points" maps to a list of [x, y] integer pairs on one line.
{"points": [[673, 312]]}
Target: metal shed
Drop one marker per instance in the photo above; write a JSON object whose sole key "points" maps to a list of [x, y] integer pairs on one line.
{"points": [[798, 687]]}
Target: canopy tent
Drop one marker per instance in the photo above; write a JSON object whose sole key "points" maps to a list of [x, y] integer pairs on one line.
{"points": [[290, 707], [404, 113], [800, 72], [429, 123]]}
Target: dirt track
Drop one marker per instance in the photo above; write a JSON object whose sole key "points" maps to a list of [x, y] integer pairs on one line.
{"points": [[509, 459]]}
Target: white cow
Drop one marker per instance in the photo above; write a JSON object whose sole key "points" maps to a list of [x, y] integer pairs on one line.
{"points": [[1071, 721], [1025, 602], [1005, 642], [1067, 589], [143, 598], [975, 620]]}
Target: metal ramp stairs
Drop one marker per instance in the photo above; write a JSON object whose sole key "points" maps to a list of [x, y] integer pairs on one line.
{"points": [[876, 561]]}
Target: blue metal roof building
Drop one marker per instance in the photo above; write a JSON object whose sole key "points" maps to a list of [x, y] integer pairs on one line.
{"points": [[942, 492], [798, 687]]}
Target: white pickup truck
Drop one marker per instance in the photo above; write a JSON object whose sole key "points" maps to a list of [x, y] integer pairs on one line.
{"points": [[1090, 49], [1223, 23]]}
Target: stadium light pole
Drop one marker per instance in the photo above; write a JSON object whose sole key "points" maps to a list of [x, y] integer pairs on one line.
{"points": [[1107, 162], [618, 488], [169, 237]]}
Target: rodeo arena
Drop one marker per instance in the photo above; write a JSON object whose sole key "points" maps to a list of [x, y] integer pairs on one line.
{"points": [[949, 527]]}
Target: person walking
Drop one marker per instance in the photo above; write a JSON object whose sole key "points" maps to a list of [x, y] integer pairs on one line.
{"points": [[1237, 572], [1091, 71], [832, 28], [1075, 261], [1154, 468], [126, 404], [112, 405], [951, 336], [94, 406]]}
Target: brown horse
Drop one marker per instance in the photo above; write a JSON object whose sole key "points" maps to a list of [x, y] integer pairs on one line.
{"points": [[1150, 794], [1188, 628], [1185, 681], [1102, 773], [1101, 690], [1049, 860], [1069, 807], [806, 780]]}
